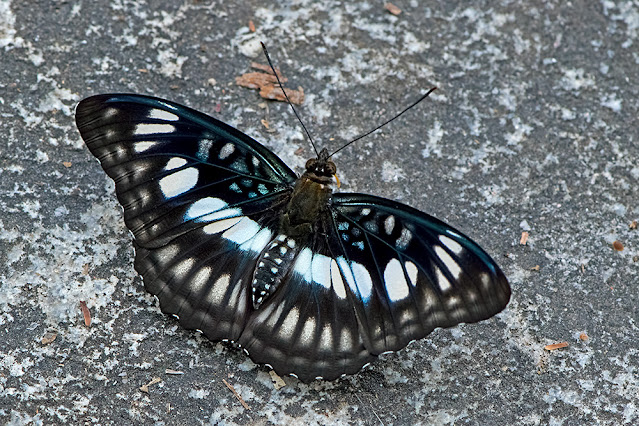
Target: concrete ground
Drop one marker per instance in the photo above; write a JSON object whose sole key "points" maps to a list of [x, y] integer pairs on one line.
{"points": [[534, 128]]}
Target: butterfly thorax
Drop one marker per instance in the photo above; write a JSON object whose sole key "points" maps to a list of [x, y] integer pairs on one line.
{"points": [[310, 197]]}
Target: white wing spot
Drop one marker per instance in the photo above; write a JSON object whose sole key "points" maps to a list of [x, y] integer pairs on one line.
{"points": [[139, 147], [182, 269], [366, 211], [179, 182], [404, 239], [217, 292], [337, 281], [453, 267], [203, 207], [274, 270], [308, 332], [166, 252], [162, 115], [255, 161], [442, 281], [326, 339], [345, 340], [203, 149], [389, 224], [243, 231], [485, 280], [283, 250], [290, 243], [110, 113], [153, 128], [220, 225], [411, 271], [200, 279], [175, 163], [226, 151], [363, 280], [303, 264], [451, 244], [320, 270], [453, 302], [287, 329], [240, 166], [471, 296], [395, 281]]}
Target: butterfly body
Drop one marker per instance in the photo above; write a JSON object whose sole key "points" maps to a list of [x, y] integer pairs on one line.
{"points": [[234, 243], [298, 222]]}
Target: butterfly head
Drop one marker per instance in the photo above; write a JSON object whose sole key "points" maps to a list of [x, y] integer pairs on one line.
{"points": [[321, 168]]}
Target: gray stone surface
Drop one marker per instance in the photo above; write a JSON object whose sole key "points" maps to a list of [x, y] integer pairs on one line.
{"points": [[534, 128]]}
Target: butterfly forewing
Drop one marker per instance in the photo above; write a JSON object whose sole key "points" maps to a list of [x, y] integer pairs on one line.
{"points": [[164, 158], [210, 209]]}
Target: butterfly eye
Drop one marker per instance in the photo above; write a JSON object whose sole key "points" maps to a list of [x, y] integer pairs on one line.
{"points": [[310, 163]]}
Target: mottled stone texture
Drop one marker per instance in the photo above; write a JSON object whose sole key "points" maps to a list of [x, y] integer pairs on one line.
{"points": [[533, 128]]}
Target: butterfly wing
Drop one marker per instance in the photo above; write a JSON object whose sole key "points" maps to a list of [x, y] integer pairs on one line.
{"points": [[409, 272], [376, 275], [201, 199]]}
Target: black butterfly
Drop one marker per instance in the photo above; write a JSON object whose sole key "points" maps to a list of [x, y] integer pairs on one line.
{"points": [[313, 283]]}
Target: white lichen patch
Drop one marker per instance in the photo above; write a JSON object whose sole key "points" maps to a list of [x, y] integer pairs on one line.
{"points": [[433, 143], [391, 172]]}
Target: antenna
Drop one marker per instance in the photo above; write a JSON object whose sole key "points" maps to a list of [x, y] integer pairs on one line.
{"points": [[268, 58], [431, 90], [270, 63]]}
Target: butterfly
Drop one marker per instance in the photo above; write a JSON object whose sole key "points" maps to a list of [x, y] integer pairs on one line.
{"points": [[313, 283]]}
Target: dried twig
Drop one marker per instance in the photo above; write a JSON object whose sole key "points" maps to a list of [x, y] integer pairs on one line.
{"points": [[237, 395], [85, 313], [145, 388], [556, 346]]}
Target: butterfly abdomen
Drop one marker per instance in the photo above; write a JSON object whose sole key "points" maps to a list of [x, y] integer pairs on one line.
{"points": [[296, 228], [272, 266]]}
